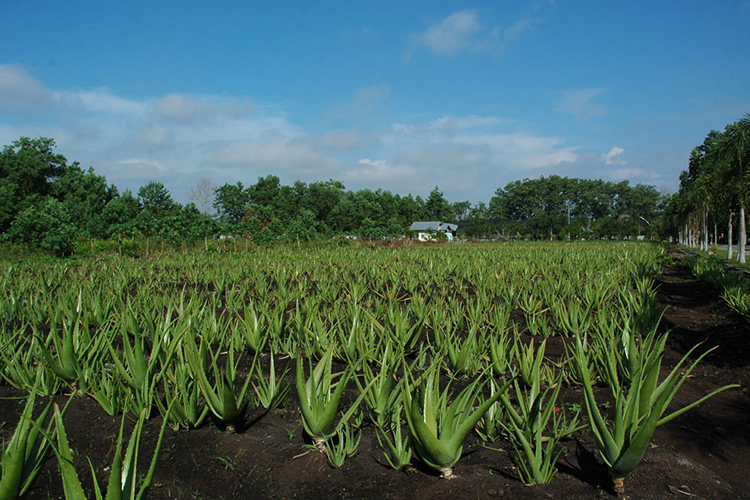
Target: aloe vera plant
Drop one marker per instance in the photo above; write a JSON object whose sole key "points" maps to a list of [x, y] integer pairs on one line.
{"points": [[501, 353], [529, 360], [23, 456], [20, 370], [397, 450], [438, 429], [536, 428], [141, 373], [639, 409], [123, 477], [66, 365], [462, 355], [272, 391], [252, 329], [180, 386], [221, 397], [381, 395], [490, 426], [320, 396], [341, 445]]}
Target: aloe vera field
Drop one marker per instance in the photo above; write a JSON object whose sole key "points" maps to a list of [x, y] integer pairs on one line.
{"points": [[525, 370]]}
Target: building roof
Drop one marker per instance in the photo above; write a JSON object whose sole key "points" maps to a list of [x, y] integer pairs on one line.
{"points": [[432, 226]]}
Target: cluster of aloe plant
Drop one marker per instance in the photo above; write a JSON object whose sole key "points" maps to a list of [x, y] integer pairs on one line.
{"points": [[370, 334], [735, 288]]}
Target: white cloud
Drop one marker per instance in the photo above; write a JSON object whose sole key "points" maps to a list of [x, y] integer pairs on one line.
{"points": [[136, 172], [141, 161], [471, 156], [365, 106], [517, 29], [628, 173], [268, 151], [154, 135], [19, 90], [102, 101], [184, 108], [461, 31], [180, 138], [580, 103], [446, 155], [379, 170], [444, 126], [456, 33], [464, 32], [524, 150], [611, 157], [344, 139]]}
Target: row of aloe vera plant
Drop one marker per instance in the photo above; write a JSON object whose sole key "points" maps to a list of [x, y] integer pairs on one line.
{"points": [[735, 288], [188, 337]]}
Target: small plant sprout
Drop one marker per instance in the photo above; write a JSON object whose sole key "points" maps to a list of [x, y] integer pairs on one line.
{"points": [[396, 447]]}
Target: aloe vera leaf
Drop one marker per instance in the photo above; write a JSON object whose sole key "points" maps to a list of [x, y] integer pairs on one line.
{"points": [[36, 447], [467, 425], [13, 460], [71, 482], [114, 487], [439, 455], [605, 441], [65, 371], [331, 407]]}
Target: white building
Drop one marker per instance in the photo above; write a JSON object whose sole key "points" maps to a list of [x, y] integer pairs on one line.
{"points": [[426, 229]]}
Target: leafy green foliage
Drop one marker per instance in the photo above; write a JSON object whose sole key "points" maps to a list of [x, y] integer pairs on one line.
{"points": [[47, 226]]}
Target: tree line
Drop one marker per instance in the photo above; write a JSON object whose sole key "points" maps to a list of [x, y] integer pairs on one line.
{"points": [[714, 191], [47, 203]]}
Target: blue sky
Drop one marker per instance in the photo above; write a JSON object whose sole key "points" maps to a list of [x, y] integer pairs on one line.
{"points": [[401, 95]]}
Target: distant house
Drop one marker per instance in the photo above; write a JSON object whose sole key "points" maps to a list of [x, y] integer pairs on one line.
{"points": [[425, 229]]}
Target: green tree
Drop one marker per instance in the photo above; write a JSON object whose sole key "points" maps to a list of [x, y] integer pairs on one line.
{"points": [[85, 195], [461, 210], [543, 207], [230, 202], [265, 192], [194, 225], [322, 198], [302, 227], [735, 145], [438, 208], [119, 215], [47, 225], [157, 210], [27, 168]]}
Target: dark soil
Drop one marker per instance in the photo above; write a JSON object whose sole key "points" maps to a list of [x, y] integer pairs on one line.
{"points": [[702, 454]]}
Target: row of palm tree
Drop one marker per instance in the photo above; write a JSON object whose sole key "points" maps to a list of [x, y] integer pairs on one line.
{"points": [[715, 189]]}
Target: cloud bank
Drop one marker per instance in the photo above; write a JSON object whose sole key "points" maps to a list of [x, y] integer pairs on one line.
{"points": [[180, 138]]}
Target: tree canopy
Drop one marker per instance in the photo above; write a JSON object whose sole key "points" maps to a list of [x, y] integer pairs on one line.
{"points": [[50, 204], [714, 191]]}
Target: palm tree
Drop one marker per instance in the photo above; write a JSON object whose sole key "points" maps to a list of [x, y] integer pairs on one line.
{"points": [[735, 146]]}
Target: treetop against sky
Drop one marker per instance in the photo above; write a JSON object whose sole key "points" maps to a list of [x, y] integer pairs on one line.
{"points": [[393, 95]]}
